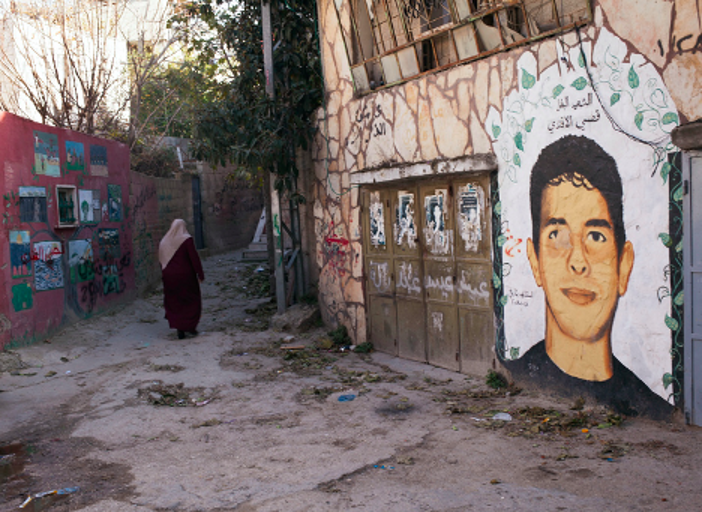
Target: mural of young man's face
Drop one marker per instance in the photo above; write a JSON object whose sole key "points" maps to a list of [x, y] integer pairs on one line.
{"points": [[583, 271]]}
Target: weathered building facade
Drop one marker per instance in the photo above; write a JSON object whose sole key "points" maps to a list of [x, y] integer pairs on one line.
{"points": [[496, 186]]}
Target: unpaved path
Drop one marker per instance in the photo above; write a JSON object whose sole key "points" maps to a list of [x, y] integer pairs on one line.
{"points": [[257, 428]]}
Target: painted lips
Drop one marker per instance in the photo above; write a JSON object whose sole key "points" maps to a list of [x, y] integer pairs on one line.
{"points": [[579, 296]]}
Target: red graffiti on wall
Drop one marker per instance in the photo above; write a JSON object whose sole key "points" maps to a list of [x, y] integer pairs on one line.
{"points": [[335, 251], [512, 244]]}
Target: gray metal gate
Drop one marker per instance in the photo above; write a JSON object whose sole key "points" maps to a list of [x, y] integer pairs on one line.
{"points": [[197, 213], [692, 256], [428, 271]]}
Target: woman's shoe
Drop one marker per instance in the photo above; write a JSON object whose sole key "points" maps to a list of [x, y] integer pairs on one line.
{"points": [[181, 334]]}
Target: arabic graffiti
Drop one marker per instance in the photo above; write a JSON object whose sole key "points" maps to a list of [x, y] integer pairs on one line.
{"points": [[379, 276], [142, 198], [442, 284], [471, 292], [437, 321], [570, 120], [408, 279], [520, 297], [366, 118], [109, 279]]}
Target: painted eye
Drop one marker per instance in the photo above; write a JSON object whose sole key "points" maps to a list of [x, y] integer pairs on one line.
{"points": [[596, 236], [553, 234]]}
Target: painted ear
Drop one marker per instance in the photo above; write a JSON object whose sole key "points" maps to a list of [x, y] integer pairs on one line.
{"points": [[626, 265], [533, 262]]}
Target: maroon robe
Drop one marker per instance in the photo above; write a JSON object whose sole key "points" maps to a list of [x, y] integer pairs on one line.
{"points": [[181, 288]]}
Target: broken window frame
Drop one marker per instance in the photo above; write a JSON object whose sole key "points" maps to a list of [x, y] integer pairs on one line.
{"points": [[403, 39]]}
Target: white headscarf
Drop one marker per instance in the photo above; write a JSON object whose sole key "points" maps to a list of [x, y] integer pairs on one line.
{"points": [[172, 241]]}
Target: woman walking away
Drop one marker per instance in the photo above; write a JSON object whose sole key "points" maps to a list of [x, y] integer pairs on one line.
{"points": [[181, 269]]}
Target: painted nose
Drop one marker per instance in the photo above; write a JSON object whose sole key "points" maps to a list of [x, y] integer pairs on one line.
{"points": [[577, 260]]}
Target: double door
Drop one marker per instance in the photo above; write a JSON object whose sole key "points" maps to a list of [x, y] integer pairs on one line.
{"points": [[428, 271]]}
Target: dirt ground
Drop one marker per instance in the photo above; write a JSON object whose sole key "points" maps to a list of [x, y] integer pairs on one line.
{"points": [[138, 420]]}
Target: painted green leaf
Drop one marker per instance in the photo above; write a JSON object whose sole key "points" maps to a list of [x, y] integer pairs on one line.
{"points": [[529, 125], [496, 281], [670, 117], [579, 84], [667, 380], [678, 194], [501, 240], [518, 141], [665, 171], [517, 160], [557, 90], [498, 208], [679, 299], [679, 247], [8, 205], [581, 60], [504, 299], [528, 79], [496, 130], [665, 238], [638, 120], [614, 98], [633, 78], [671, 323], [514, 353]]}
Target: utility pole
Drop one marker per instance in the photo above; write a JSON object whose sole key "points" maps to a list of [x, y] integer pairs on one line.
{"points": [[276, 220]]}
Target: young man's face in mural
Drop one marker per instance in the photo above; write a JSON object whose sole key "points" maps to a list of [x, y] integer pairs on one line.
{"points": [[579, 266]]}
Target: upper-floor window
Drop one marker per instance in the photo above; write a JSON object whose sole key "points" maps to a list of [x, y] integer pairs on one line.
{"points": [[388, 41]]}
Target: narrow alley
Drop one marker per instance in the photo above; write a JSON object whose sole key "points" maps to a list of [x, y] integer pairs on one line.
{"points": [[117, 414]]}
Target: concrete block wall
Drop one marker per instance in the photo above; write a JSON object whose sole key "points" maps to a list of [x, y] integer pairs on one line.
{"points": [[156, 203], [231, 209]]}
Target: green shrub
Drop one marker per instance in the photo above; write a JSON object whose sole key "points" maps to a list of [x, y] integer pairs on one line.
{"points": [[340, 336], [495, 380]]}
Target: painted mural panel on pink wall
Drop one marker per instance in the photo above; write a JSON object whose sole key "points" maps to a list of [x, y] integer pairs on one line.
{"points": [[53, 271]]}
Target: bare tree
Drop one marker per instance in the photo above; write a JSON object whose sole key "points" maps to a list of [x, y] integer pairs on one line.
{"points": [[81, 64]]}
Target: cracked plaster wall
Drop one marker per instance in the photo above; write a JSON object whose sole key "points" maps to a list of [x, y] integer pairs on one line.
{"points": [[443, 115]]}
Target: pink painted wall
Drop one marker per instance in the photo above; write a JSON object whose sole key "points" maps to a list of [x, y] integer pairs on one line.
{"points": [[44, 292]]}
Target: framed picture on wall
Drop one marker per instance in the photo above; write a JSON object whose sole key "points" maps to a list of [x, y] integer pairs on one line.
{"points": [[46, 154], [89, 206], [114, 202], [32, 204], [75, 156], [98, 160]]}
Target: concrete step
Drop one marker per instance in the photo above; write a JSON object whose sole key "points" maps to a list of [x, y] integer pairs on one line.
{"points": [[248, 255], [258, 246]]}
